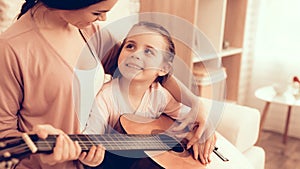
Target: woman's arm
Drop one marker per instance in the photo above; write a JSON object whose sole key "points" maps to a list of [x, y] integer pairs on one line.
{"points": [[11, 93]]}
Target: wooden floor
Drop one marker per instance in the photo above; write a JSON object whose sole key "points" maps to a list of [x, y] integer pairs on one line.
{"points": [[278, 155]]}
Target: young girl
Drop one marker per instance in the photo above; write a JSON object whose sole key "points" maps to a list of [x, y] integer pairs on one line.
{"points": [[144, 62]]}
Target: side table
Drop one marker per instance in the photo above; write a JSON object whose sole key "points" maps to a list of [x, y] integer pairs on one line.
{"points": [[269, 95]]}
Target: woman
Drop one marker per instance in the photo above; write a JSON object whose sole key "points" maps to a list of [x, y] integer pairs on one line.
{"points": [[38, 55], [43, 59]]}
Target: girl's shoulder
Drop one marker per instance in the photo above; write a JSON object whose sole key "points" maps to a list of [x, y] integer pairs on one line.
{"points": [[107, 86], [157, 89]]}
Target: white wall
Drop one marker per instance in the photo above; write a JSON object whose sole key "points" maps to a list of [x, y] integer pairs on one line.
{"points": [[9, 9], [277, 58], [122, 8]]}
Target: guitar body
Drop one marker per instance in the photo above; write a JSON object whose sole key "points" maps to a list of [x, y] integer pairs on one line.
{"points": [[132, 124]]}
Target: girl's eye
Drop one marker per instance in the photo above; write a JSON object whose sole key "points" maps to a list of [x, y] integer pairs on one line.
{"points": [[129, 46], [149, 52]]}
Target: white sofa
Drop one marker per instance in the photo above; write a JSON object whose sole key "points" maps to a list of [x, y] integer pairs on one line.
{"points": [[239, 125]]}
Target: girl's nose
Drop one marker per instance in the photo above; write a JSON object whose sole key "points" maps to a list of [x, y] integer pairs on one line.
{"points": [[136, 55]]}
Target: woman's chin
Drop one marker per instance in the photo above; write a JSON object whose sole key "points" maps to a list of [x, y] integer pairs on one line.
{"points": [[82, 26]]}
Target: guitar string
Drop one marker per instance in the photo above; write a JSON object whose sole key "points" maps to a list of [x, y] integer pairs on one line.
{"points": [[89, 143], [110, 144], [24, 148], [127, 139]]}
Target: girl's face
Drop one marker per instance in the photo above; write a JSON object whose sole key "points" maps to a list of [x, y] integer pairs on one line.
{"points": [[141, 57], [84, 17]]}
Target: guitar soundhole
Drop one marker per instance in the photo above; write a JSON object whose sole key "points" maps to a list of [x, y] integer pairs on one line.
{"points": [[173, 143]]}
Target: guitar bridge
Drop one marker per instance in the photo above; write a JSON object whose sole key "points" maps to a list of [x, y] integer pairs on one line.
{"points": [[220, 155]]}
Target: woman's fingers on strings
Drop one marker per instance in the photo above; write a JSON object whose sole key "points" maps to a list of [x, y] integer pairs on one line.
{"points": [[94, 157], [78, 149], [99, 156], [82, 156], [44, 130], [72, 149], [91, 154], [56, 156]]}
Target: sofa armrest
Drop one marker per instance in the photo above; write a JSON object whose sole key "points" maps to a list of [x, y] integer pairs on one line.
{"points": [[240, 125]]}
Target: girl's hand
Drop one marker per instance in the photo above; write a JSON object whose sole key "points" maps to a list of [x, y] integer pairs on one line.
{"points": [[195, 120], [65, 149], [203, 150], [94, 157]]}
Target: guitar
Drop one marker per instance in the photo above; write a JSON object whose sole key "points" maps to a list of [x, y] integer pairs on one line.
{"points": [[142, 134]]}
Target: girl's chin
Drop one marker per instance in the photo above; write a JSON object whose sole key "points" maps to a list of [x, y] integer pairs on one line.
{"points": [[130, 76]]}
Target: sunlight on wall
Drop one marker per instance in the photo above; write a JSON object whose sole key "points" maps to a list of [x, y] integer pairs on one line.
{"points": [[277, 57], [122, 8]]}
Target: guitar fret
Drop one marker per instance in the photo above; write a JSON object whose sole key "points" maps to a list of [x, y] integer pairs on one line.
{"points": [[84, 141], [46, 145], [81, 143], [107, 145], [161, 145], [95, 140], [134, 143], [118, 141]]}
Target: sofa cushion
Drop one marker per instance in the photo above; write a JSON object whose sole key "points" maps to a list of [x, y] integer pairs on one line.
{"points": [[256, 155], [237, 160], [240, 125]]}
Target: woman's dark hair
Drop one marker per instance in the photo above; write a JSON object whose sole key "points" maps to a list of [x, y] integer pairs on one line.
{"points": [[58, 4], [110, 63]]}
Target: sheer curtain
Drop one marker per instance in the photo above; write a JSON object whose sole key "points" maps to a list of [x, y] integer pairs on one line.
{"points": [[9, 9], [276, 57]]}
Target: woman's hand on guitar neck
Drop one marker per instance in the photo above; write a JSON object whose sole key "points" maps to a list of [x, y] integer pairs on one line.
{"points": [[65, 149], [94, 157]]}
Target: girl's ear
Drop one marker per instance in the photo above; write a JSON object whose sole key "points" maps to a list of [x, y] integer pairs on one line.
{"points": [[166, 68]]}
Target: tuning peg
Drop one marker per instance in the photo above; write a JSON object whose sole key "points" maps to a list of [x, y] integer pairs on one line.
{"points": [[14, 161], [9, 164], [6, 154], [2, 165], [2, 144]]}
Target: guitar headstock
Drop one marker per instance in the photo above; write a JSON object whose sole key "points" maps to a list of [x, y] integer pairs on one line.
{"points": [[14, 148]]}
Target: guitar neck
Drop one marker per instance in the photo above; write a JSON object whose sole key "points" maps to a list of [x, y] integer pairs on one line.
{"points": [[112, 142]]}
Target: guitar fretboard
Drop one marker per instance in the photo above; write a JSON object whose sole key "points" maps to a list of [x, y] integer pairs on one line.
{"points": [[113, 142]]}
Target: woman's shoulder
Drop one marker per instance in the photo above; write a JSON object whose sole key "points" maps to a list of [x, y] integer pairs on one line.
{"points": [[19, 29]]}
